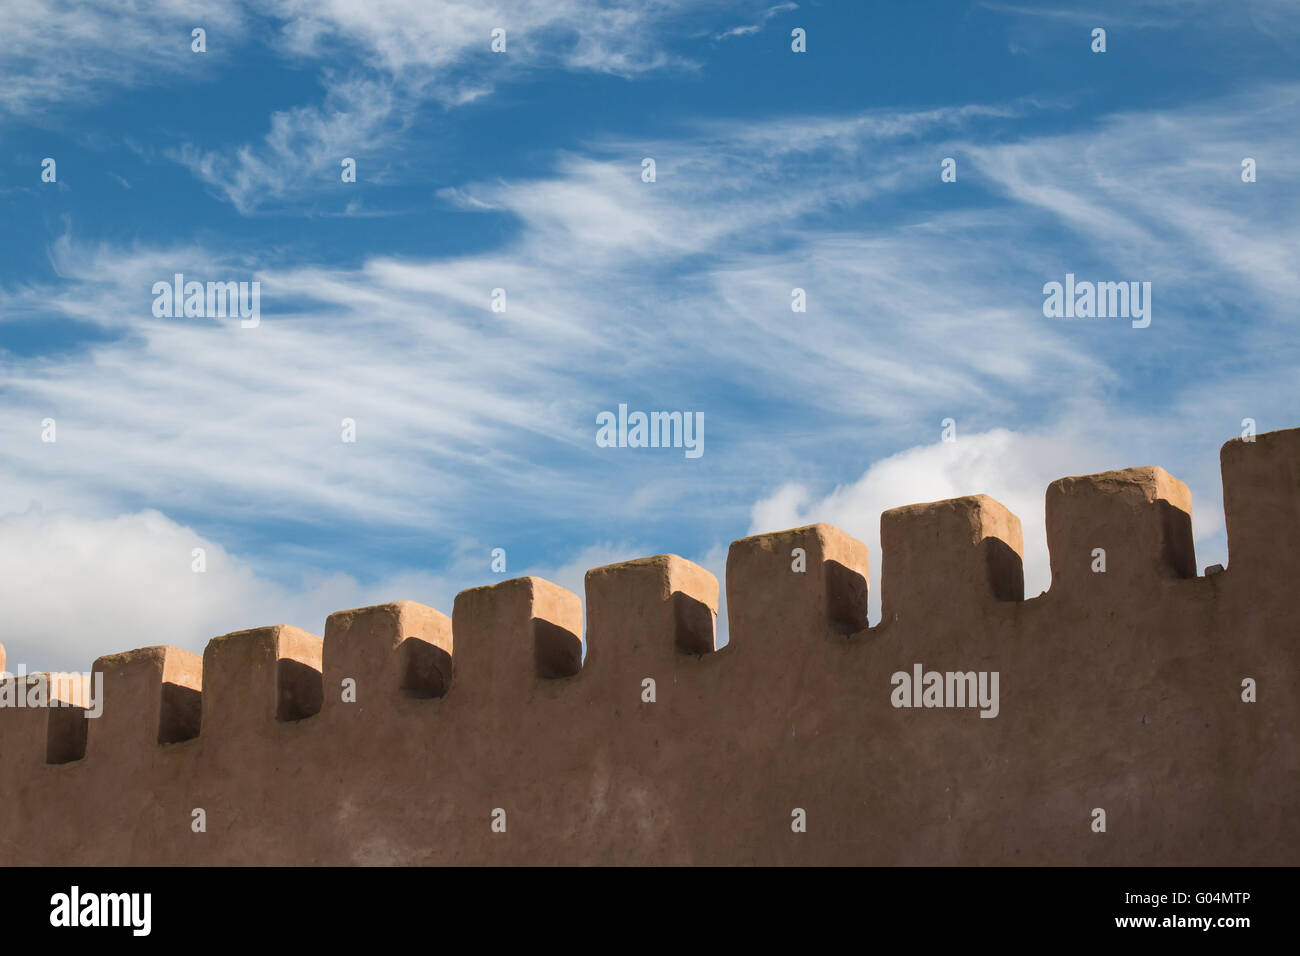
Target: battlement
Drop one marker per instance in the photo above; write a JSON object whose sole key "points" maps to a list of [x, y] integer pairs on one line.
{"points": [[510, 733]]}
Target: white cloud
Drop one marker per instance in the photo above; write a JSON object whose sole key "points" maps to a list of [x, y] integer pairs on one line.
{"points": [[749, 29], [1273, 17], [75, 588], [1161, 192], [407, 55], [1097, 16], [57, 51], [304, 145], [422, 41]]}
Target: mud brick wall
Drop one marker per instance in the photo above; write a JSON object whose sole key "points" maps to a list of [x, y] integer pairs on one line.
{"points": [[1119, 690]]}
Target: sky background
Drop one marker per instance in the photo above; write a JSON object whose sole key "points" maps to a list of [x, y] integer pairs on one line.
{"points": [[475, 170]]}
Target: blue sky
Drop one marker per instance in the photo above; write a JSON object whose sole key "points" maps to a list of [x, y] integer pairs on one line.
{"points": [[522, 170]]}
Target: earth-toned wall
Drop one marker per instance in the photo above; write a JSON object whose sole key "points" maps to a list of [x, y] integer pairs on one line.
{"points": [[487, 738]]}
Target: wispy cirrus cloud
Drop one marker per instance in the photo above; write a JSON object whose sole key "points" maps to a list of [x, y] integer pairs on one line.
{"points": [[677, 294], [907, 317], [410, 56], [1180, 208], [424, 44], [54, 52], [304, 146], [1265, 15], [749, 29]]}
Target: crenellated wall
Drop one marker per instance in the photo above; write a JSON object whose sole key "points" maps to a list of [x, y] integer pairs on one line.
{"points": [[1120, 691]]}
